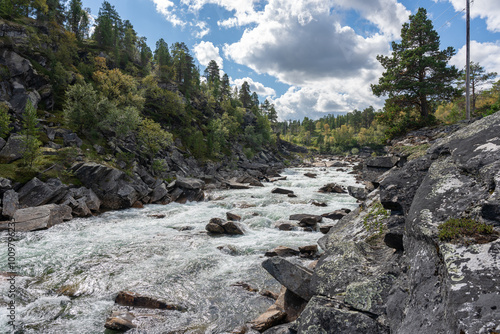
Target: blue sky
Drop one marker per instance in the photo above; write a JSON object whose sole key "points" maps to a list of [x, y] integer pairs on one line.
{"points": [[309, 57]]}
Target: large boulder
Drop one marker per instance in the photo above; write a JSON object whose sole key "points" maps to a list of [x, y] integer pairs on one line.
{"points": [[39, 218], [12, 150], [10, 203], [295, 278], [220, 226], [36, 192], [115, 189]]}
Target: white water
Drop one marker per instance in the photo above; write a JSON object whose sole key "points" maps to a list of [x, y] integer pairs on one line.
{"points": [[127, 250]]}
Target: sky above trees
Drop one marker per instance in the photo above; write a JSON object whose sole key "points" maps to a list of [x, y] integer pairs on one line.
{"points": [[309, 57]]}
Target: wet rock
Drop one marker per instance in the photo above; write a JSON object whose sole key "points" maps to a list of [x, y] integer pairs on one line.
{"points": [[325, 228], [281, 191], [245, 286], [272, 317], [285, 225], [292, 304], [320, 204], [220, 226], [120, 321], [39, 218], [308, 251], [332, 188], [234, 185], [311, 175], [292, 195], [301, 216], [128, 298], [337, 214], [232, 216], [293, 277], [308, 221], [282, 251], [279, 178], [157, 216]]}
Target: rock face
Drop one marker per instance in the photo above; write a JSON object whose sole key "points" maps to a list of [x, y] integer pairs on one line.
{"points": [[388, 271]]}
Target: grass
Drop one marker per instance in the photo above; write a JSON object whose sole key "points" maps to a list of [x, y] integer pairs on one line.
{"points": [[466, 230]]}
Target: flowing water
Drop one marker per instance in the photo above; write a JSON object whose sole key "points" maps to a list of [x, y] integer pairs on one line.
{"points": [[70, 273]]}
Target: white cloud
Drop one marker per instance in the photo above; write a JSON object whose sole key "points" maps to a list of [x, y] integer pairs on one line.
{"points": [[255, 86], [486, 54], [206, 51], [203, 29], [163, 7], [485, 9]]}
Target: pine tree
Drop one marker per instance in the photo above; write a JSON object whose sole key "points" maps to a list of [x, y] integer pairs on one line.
{"points": [[244, 95], [30, 134], [478, 78], [417, 75]]}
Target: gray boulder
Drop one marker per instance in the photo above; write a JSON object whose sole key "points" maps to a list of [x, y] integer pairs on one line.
{"points": [[10, 203], [295, 278], [36, 192], [220, 226], [189, 183], [357, 192], [41, 217], [281, 191], [12, 151]]}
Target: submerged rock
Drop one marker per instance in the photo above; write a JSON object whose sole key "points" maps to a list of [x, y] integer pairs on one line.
{"points": [[127, 298], [281, 191], [120, 321]]}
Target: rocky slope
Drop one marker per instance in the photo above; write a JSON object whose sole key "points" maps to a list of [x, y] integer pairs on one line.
{"points": [[386, 270]]}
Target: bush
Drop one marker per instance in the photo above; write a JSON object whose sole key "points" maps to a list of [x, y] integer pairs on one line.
{"points": [[461, 229]]}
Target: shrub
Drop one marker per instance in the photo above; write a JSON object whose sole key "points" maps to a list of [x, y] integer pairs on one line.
{"points": [[460, 229]]}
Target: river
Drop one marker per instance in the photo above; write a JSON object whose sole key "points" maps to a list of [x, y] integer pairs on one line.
{"points": [[70, 273]]}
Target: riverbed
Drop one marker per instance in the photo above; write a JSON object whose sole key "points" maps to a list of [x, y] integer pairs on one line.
{"points": [[69, 275]]}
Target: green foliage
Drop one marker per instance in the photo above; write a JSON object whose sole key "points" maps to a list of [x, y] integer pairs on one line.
{"points": [[374, 220], [152, 137], [5, 121], [30, 135], [83, 108], [416, 75], [457, 229]]}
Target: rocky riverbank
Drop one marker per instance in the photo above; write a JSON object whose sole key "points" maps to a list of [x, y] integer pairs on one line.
{"points": [[387, 267]]}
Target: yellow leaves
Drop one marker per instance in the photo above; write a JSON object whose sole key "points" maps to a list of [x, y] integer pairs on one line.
{"points": [[118, 87]]}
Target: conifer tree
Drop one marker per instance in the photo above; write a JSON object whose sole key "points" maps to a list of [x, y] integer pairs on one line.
{"points": [[416, 74], [30, 135]]}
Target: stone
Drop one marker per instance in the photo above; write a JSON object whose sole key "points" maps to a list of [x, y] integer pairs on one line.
{"points": [[311, 175], [233, 228], [281, 191], [41, 217], [120, 321], [285, 225], [36, 192], [72, 139], [357, 192], [235, 185], [214, 228], [189, 183], [293, 277], [282, 251], [271, 317], [159, 193], [10, 203], [292, 304], [332, 188], [301, 216], [335, 215], [12, 150], [322, 315], [382, 162], [308, 221], [133, 299], [88, 196], [232, 216], [325, 228], [308, 251], [320, 204], [79, 207]]}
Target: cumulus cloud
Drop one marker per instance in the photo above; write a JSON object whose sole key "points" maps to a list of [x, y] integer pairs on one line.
{"points": [[256, 87], [203, 29], [164, 7], [206, 51], [488, 10], [486, 54]]}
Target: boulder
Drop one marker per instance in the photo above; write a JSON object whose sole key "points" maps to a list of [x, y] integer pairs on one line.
{"points": [[325, 315], [321, 204], [87, 196], [292, 304], [79, 207], [332, 188], [36, 192], [337, 214], [114, 188], [235, 185], [281, 191], [311, 175], [308, 221], [382, 162], [271, 317], [120, 321], [282, 251], [357, 192], [295, 278], [159, 194], [189, 183], [133, 299], [285, 225], [308, 251], [72, 139], [301, 216], [220, 226], [232, 216], [12, 150], [10, 203], [41, 217]]}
